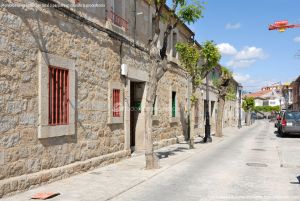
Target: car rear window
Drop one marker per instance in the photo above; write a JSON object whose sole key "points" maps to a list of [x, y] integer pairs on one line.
{"points": [[293, 115]]}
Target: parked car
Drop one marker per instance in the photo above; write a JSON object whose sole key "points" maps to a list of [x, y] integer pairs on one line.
{"points": [[278, 119], [290, 123]]}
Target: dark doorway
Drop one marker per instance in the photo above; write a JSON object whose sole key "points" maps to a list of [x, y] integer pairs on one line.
{"points": [[136, 94]]}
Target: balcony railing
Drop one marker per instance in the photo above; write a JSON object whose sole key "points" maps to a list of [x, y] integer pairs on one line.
{"points": [[116, 19]]}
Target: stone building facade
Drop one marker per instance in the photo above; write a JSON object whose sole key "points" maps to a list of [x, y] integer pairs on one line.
{"points": [[65, 108], [296, 94]]}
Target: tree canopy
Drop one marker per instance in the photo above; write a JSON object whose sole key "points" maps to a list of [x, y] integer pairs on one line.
{"points": [[248, 104], [190, 58]]}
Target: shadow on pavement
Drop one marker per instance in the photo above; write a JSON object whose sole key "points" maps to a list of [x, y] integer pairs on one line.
{"points": [[298, 178], [166, 154]]}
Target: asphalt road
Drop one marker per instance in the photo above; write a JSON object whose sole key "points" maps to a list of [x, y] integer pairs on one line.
{"points": [[253, 165]]}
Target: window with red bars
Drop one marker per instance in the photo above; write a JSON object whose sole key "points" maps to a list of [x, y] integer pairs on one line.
{"points": [[116, 103], [58, 96]]}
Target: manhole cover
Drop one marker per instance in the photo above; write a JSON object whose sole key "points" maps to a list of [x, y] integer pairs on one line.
{"points": [[95, 173], [258, 149], [257, 164]]}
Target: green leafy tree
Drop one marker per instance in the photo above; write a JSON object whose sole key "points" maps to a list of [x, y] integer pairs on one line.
{"points": [[225, 90], [190, 56], [248, 106], [180, 11]]}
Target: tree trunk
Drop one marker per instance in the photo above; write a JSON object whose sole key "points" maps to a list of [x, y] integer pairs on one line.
{"points": [[151, 86], [192, 125], [248, 118], [158, 69], [219, 123]]}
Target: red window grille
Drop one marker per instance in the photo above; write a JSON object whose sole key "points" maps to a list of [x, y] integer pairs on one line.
{"points": [[116, 103], [58, 96]]}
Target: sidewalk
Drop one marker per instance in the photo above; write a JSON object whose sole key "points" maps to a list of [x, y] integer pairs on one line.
{"points": [[108, 182]]}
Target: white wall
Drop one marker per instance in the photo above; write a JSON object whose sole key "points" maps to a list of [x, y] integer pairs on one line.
{"points": [[258, 102]]}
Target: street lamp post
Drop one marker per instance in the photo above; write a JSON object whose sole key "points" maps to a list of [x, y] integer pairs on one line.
{"points": [[207, 137], [240, 87]]}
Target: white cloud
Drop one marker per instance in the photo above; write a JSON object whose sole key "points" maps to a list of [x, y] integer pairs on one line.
{"points": [[297, 39], [233, 26], [240, 63], [241, 78], [247, 57], [250, 53], [226, 49]]}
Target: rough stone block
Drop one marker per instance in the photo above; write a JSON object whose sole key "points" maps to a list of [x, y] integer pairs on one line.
{"points": [[17, 168], [24, 92], [33, 165], [4, 87], [10, 141], [45, 177], [14, 107], [7, 123], [1, 157], [11, 21], [26, 77], [3, 42], [28, 119], [28, 136], [34, 180]]}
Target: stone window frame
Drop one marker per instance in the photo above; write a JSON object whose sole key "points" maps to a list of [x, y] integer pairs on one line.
{"points": [[44, 129], [111, 118]]}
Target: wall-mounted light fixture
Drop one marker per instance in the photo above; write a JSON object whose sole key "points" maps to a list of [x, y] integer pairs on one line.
{"points": [[124, 69]]}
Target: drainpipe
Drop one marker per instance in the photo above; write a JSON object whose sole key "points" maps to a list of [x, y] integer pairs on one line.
{"points": [[134, 26]]}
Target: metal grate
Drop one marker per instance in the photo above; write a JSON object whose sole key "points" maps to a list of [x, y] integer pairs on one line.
{"points": [[258, 149], [58, 96], [116, 103], [257, 164]]}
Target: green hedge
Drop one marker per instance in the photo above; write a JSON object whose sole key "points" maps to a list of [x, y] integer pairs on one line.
{"points": [[267, 108]]}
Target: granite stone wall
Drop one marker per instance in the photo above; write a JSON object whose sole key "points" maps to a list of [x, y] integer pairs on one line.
{"points": [[26, 160]]}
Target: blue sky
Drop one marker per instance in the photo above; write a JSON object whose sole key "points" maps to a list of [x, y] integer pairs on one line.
{"points": [[256, 55]]}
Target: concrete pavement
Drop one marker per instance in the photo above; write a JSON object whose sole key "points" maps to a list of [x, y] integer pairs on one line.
{"points": [[244, 167]]}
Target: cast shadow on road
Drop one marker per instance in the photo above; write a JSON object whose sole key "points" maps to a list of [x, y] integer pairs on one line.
{"points": [[286, 135], [166, 154], [298, 182]]}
